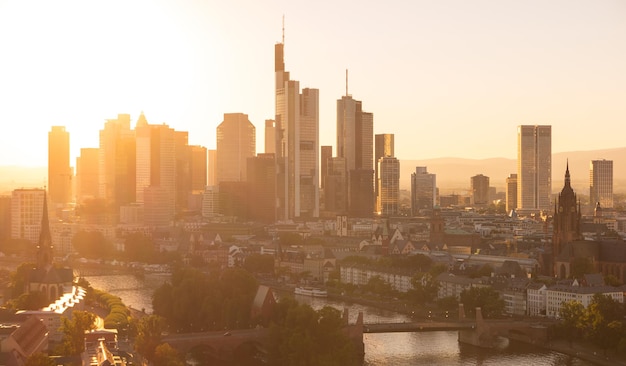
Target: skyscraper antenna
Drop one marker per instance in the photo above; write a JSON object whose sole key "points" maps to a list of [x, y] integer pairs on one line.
{"points": [[347, 82], [283, 29]]}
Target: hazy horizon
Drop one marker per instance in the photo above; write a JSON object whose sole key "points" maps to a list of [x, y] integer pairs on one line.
{"points": [[449, 78]]}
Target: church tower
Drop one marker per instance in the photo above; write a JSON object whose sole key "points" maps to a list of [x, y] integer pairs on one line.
{"points": [[566, 223], [44, 246]]}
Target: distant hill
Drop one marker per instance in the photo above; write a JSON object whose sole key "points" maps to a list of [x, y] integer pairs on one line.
{"points": [[453, 174]]}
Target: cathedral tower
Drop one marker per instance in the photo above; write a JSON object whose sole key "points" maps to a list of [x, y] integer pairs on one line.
{"points": [[566, 226]]}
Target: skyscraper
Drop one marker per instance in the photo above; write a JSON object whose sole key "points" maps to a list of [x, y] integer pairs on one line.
{"points": [[87, 174], [383, 147], [116, 168], [59, 171], [601, 183], [511, 193], [198, 168], [236, 142], [388, 199], [26, 212], [423, 190], [534, 168], [355, 137], [297, 144], [480, 189], [212, 168], [270, 136], [262, 188]]}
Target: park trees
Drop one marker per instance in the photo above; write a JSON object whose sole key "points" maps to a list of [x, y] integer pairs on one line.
{"points": [[485, 298], [74, 332]]}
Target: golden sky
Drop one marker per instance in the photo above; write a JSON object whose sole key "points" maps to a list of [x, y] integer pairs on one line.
{"points": [[449, 78]]}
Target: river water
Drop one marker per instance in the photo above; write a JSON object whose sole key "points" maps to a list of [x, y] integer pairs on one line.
{"points": [[392, 349]]}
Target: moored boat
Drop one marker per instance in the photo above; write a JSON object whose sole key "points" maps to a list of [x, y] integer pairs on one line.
{"points": [[311, 291]]}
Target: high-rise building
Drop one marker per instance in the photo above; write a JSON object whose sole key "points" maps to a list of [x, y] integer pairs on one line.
{"points": [[326, 154], [212, 168], [5, 218], [480, 189], [601, 183], [156, 174], [297, 144], [335, 186], [388, 199], [87, 174], [534, 168], [511, 192], [117, 162], [423, 190], [198, 168], [26, 212], [262, 188], [355, 137], [236, 142], [270, 136], [59, 171], [383, 147]]}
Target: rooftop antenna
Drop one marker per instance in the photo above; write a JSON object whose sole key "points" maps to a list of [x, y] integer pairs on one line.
{"points": [[283, 29], [347, 83]]}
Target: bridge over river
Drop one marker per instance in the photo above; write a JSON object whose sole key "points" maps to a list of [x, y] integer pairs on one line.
{"points": [[417, 326]]}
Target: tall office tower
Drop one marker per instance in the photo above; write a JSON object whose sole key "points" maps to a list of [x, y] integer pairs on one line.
{"points": [[211, 201], [480, 189], [236, 142], [423, 190], [601, 183], [59, 171], [335, 186], [87, 174], [156, 172], [198, 168], [326, 154], [270, 136], [116, 162], [183, 170], [355, 135], [212, 168], [26, 211], [262, 188], [511, 192], [297, 144], [388, 199], [534, 168], [383, 147]]}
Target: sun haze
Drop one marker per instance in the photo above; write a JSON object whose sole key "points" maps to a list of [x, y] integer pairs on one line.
{"points": [[448, 78]]}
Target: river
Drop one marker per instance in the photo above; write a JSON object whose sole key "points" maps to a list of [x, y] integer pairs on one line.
{"points": [[435, 348]]}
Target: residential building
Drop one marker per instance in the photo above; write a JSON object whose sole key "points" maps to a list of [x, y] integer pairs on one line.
{"points": [[536, 299], [558, 294], [423, 190], [26, 211], [534, 168], [601, 183]]}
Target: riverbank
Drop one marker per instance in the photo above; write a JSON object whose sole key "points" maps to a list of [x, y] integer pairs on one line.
{"points": [[586, 351]]}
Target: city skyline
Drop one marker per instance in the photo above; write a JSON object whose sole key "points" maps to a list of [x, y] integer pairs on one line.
{"points": [[479, 69]]}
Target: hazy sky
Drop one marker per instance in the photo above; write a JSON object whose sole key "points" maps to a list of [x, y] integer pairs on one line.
{"points": [[449, 78]]}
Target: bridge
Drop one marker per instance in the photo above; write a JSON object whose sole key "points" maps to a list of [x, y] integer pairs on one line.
{"points": [[417, 327], [252, 343]]}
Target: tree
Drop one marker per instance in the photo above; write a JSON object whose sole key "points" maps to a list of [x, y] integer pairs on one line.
{"points": [[165, 355], [485, 298], [39, 359], [149, 334], [92, 244], [603, 320], [259, 263], [140, 248], [74, 332], [572, 313]]}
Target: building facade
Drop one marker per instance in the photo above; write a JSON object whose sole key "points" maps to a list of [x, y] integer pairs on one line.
{"points": [[236, 142], [423, 190], [534, 168], [26, 213], [388, 199], [59, 171], [601, 183], [511, 192], [480, 189]]}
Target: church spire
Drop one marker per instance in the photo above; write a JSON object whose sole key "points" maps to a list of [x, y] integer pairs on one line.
{"points": [[44, 246], [567, 177]]}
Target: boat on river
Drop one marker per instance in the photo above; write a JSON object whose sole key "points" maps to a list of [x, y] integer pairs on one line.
{"points": [[311, 291]]}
